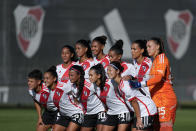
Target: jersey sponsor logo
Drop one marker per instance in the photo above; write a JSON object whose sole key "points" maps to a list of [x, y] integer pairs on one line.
{"points": [[29, 23], [178, 26]]}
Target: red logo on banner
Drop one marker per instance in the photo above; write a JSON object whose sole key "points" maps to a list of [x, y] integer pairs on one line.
{"points": [[29, 24], [178, 25]]}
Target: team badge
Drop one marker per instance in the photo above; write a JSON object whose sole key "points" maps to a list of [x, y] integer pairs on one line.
{"points": [[144, 68], [103, 63], [44, 96], [85, 93], [29, 24], [84, 67], [178, 26]]}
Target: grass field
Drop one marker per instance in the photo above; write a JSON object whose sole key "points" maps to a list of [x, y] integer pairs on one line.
{"points": [[25, 120]]}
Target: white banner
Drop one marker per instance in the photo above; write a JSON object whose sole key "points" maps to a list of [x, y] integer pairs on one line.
{"points": [[178, 27], [29, 28]]}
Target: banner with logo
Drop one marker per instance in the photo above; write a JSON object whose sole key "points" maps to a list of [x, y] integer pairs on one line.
{"points": [[29, 28], [178, 27]]}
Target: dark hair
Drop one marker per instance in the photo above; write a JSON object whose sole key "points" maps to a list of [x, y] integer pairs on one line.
{"points": [[99, 69], [101, 39], [86, 43], [35, 74], [142, 45], [159, 42], [52, 71], [117, 66], [79, 70], [117, 47], [72, 50]]}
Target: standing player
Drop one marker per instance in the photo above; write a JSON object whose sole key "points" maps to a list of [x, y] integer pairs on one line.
{"points": [[142, 62], [115, 54], [41, 95], [147, 106], [68, 98], [93, 105], [68, 56], [160, 85], [84, 53], [97, 47]]}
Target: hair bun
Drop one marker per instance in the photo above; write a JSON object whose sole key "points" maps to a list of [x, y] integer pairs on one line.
{"points": [[119, 43]]}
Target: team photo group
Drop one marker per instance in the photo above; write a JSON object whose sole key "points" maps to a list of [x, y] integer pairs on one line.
{"points": [[96, 91]]}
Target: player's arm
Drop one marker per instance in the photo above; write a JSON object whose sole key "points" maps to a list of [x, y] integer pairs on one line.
{"points": [[155, 77], [39, 113], [136, 108]]}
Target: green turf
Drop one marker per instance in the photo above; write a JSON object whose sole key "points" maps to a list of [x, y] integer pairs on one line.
{"points": [[25, 120]]}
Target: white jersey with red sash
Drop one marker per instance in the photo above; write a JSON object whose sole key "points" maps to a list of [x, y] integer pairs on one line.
{"points": [[146, 104], [91, 103], [87, 64], [63, 73], [104, 61], [111, 98], [68, 103], [44, 98], [128, 69], [142, 72]]}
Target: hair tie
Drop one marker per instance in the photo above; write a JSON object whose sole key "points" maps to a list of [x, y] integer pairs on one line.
{"points": [[114, 66]]}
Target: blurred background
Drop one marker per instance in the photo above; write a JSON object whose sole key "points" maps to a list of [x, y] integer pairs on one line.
{"points": [[32, 33]]}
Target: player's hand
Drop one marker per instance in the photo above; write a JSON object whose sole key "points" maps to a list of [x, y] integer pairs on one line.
{"points": [[135, 84], [139, 124], [40, 122], [126, 78]]}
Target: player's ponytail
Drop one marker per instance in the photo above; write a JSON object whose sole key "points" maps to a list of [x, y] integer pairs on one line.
{"points": [[117, 47], [99, 69], [79, 70], [159, 42], [100, 39], [86, 43], [52, 71], [142, 45], [72, 50]]}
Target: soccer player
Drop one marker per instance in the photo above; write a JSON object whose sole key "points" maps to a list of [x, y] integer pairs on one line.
{"points": [[97, 47], [141, 62], [147, 107], [92, 104], [68, 56], [160, 85], [115, 54], [68, 98], [42, 94], [118, 114], [84, 53]]}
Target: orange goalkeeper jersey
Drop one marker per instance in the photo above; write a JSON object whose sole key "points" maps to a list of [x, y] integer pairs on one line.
{"points": [[160, 77]]}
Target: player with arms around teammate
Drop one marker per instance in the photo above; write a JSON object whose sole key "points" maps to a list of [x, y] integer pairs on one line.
{"points": [[68, 56], [41, 95], [97, 47], [68, 99], [160, 85], [147, 107], [84, 53], [92, 104], [141, 61]]}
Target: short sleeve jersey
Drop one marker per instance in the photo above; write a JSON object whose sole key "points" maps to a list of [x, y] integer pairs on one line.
{"points": [[44, 97], [146, 104], [111, 98], [90, 100], [63, 73], [86, 66]]}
